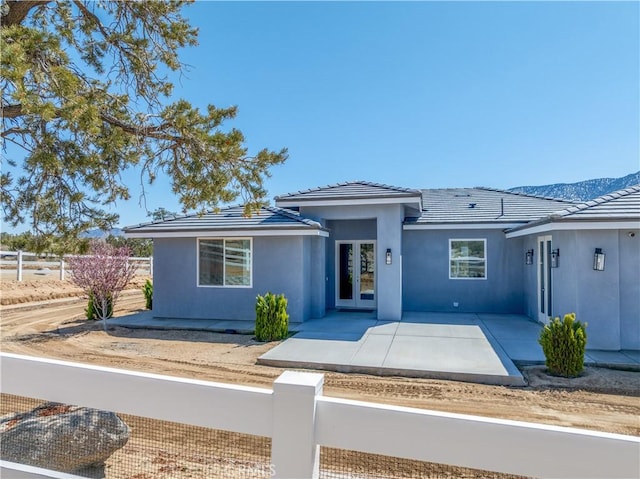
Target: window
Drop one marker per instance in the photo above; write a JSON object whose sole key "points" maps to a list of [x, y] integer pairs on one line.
{"points": [[467, 259], [224, 262]]}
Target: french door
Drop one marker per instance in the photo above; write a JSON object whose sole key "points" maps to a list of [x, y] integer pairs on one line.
{"points": [[356, 274], [544, 279]]}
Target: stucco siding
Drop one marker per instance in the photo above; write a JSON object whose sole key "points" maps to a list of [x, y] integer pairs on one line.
{"points": [[352, 229], [317, 276], [608, 301], [593, 295], [629, 243], [530, 278], [427, 286], [380, 222], [566, 290], [277, 266], [390, 275]]}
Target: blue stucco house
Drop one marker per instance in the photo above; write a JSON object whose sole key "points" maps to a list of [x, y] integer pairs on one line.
{"points": [[368, 246]]}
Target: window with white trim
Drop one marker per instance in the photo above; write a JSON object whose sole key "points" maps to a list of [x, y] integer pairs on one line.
{"points": [[467, 259], [224, 262]]}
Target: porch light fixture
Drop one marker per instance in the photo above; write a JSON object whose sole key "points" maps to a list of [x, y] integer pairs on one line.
{"points": [[555, 258], [388, 256], [528, 259], [598, 260]]}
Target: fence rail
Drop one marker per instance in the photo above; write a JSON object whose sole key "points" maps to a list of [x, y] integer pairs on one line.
{"points": [[146, 262], [299, 419]]}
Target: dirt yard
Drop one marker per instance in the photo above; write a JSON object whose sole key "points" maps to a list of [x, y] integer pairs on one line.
{"points": [[602, 399], [37, 287]]}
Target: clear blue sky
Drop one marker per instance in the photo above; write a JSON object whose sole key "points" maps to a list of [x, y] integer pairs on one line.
{"points": [[421, 94]]}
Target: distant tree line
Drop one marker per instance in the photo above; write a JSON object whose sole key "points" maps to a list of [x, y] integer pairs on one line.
{"points": [[61, 246]]}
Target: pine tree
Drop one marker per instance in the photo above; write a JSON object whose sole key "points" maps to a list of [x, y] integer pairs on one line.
{"points": [[85, 95]]}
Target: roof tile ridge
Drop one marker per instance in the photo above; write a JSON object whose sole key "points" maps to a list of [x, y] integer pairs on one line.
{"points": [[347, 183], [625, 191], [449, 188], [317, 188], [292, 215], [614, 195], [526, 195], [198, 214], [403, 189]]}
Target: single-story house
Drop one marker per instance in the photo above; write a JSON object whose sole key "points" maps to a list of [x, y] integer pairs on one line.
{"points": [[368, 246]]}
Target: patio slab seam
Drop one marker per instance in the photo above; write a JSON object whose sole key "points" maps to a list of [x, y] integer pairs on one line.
{"points": [[393, 337]]}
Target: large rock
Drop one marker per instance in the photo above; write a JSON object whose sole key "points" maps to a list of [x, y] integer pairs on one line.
{"points": [[59, 437]]}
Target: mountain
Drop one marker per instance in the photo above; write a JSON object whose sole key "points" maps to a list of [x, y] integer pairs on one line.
{"points": [[582, 190], [96, 233]]}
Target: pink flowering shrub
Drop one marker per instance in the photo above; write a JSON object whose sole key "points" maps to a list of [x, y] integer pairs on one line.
{"points": [[102, 274]]}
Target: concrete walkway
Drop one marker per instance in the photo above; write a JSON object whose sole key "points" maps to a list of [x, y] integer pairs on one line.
{"points": [[467, 347]]}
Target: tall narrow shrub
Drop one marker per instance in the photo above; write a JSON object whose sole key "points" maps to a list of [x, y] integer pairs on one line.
{"points": [[272, 320], [563, 343], [147, 290]]}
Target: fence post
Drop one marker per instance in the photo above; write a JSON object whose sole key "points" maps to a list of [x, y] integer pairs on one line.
{"points": [[151, 266], [61, 268], [294, 452], [19, 272]]}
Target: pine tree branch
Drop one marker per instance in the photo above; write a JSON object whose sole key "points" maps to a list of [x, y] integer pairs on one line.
{"points": [[18, 11], [11, 111], [14, 131], [155, 132]]}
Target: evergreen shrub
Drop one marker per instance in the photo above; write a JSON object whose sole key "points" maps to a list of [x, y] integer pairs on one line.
{"points": [[147, 290], [272, 320], [563, 343]]}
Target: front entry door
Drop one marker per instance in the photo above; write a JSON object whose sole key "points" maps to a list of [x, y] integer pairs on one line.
{"points": [[356, 274], [544, 279]]}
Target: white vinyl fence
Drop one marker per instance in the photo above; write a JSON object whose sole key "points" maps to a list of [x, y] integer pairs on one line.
{"points": [[16, 259], [298, 419]]}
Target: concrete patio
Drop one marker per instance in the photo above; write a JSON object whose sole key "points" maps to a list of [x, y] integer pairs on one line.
{"points": [[472, 347], [465, 347]]}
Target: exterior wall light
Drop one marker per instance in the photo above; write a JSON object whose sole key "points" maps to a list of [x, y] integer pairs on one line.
{"points": [[598, 260], [555, 258], [388, 256], [528, 259]]}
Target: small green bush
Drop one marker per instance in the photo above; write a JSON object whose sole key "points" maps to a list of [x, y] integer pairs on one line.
{"points": [[563, 343], [94, 309], [147, 290], [272, 320]]}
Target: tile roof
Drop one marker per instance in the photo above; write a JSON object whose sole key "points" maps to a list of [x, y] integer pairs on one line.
{"points": [[619, 205], [440, 206], [230, 219], [351, 191], [483, 205]]}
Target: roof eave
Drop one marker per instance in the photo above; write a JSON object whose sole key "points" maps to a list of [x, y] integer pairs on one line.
{"points": [[225, 233], [503, 225], [565, 223]]}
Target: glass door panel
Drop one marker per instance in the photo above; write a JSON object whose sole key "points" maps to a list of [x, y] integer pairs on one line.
{"points": [[544, 279], [345, 271], [355, 274], [367, 272]]}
